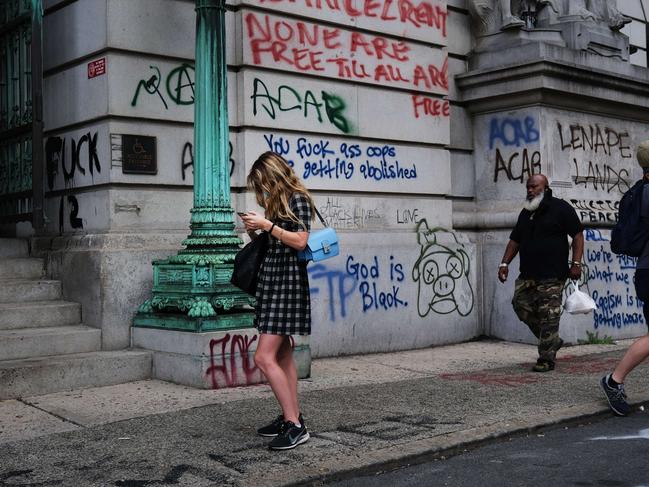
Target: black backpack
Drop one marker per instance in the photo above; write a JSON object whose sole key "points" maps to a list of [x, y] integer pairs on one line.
{"points": [[631, 232]]}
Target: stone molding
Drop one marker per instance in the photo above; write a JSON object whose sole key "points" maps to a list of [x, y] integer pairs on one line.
{"points": [[555, 76]]}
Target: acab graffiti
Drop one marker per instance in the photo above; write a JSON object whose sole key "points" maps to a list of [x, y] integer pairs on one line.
{"points": [[442, 273], [311, 105], [510, 136]]}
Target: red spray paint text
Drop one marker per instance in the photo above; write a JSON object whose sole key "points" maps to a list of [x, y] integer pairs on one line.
{"points": [[416, 14], [340, 53]]}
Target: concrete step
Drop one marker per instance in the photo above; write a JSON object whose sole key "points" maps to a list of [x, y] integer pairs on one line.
{"points": [[36, 314], [21, 290], [43, 375], [56, 340], [13, 247], [21, 268]]}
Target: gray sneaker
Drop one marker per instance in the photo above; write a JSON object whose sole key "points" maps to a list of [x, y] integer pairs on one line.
{"points": [[615, 396]]}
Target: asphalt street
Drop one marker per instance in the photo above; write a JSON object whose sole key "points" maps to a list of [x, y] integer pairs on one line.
{"points": [[611, 452], [365, 414]]}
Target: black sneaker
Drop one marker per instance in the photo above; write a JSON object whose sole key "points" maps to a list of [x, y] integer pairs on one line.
{"points": [[289, 437], [543, 366], [615, 396], [274, 428]]}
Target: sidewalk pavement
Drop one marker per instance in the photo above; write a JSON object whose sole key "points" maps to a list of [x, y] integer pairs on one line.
{"points": [[365, 413]]}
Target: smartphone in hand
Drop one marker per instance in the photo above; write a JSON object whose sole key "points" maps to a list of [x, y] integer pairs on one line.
{"points": [[241, 213]]}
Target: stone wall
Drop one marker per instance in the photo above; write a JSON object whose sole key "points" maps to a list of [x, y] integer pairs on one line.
{"points": [[358, 96], [416, 152]]}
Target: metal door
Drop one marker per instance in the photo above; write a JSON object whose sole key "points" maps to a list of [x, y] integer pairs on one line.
{"points": [[21, 127]]}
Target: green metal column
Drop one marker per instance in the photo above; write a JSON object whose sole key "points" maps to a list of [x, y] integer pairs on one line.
{"points": [[192, 290], [211, 220], [38, 161]]}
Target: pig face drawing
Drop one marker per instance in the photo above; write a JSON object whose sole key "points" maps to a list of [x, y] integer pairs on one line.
{"points": [[442, 273]]}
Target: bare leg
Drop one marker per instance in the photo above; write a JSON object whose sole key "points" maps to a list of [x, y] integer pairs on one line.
{"points": [[287, 363], [266, 358], [636, 353]]}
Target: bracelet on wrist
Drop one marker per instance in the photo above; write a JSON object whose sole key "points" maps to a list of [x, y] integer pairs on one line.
{"points": [[576, 263], [271, 228], [503, 264]]}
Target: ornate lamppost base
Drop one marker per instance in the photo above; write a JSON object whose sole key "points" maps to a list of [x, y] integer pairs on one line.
{"points": [[192, 292]]}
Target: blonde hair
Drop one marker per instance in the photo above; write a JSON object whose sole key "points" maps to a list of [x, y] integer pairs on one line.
{"points": [[274, 182]]}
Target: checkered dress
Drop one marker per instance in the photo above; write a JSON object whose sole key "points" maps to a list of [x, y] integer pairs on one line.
{"points": [[283, 300]]}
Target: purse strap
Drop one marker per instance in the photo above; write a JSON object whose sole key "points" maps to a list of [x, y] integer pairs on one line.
{"points": [[320, 216]]}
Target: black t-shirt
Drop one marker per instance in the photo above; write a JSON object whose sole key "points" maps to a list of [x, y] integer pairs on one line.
{"points": [[542, 237]]}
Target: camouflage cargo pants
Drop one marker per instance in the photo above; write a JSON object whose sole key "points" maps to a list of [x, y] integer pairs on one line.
{"points": [[537, 303]]}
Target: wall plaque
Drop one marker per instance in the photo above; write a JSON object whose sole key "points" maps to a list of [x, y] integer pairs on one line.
{"points": [[139, 154]]}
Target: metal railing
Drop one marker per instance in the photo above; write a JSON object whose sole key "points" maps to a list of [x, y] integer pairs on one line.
{"points": [[21, 188]]}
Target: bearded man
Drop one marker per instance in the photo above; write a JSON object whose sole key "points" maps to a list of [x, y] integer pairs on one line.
{"points": [[541, 238]]}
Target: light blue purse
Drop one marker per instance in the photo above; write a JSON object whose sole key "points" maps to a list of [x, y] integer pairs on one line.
{"points": [[322, 244]]}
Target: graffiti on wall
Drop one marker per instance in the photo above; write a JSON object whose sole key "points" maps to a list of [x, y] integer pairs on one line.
{"points": [[231, 361], [334, 285], [378, 288], [442, 273], [508, 139], [321, 158], [610, 282], [597, 154], [378, 282], [187, 159], [425, 106], [305, 47], [342, 215], [325, 107], [596, 211], [374, 284], [73, 213], [73, 157], [178, 86], [420, 14], [69, 162]]}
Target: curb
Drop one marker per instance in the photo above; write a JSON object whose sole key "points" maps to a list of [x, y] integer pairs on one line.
{"points": [[451, 444]]}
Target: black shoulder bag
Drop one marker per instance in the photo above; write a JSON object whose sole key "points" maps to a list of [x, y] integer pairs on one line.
{"points": [[247, 263]]}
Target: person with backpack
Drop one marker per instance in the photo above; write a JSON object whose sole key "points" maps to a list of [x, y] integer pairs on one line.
{"points": [[630, 236], [541, 238]]}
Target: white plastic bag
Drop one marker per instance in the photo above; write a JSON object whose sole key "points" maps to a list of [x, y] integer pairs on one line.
{"points": [[579, 302]]}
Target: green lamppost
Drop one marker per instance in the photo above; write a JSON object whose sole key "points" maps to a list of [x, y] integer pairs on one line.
{"points": [[192, 290]]}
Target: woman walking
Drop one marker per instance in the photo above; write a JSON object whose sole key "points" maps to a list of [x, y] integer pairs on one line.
{"points": [[283, 302]]}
